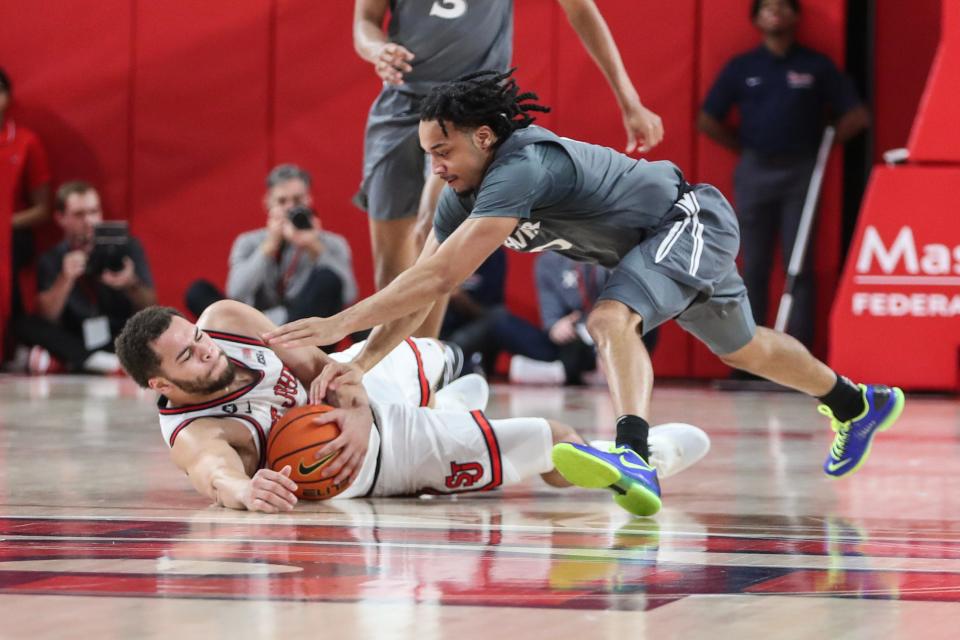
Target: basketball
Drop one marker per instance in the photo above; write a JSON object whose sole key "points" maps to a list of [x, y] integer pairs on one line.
{"points": [[294, 440]]}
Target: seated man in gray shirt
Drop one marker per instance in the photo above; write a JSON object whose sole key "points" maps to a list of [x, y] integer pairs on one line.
{"points": [[290, 269]]}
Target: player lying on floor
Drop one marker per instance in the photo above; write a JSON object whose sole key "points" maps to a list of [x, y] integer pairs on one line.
{"points": [[221, 390]]}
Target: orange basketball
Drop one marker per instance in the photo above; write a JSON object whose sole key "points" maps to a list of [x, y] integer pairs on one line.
{"points": [[294, 440]]}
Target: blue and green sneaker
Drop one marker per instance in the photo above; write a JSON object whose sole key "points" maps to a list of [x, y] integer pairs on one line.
{"points": [[622, 470], [851, 445]]}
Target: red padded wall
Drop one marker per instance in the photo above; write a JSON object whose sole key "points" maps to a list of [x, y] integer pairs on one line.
{"points": [[177, 110], [901, 274], [907, 34], [199, 135], [935, 136], [71, 87], [903, 284]]}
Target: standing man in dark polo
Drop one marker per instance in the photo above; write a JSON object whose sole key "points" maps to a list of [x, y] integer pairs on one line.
{"points": [[786, 93]]}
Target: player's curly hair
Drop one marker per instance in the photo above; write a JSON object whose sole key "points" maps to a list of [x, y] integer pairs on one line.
{"points": [[480, 98], [134, 344]]}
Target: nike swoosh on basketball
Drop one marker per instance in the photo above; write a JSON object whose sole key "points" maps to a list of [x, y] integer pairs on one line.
{"points": [[833, 466], [307, 470]]}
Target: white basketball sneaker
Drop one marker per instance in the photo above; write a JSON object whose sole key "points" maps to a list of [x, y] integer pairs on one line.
{"points": [[466, 393], [674, 447]]}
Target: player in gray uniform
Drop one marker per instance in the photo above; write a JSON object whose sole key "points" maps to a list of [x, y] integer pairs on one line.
{"points": [[429, 42], [671, 246]]}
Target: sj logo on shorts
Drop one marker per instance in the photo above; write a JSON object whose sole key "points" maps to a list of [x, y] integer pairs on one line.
{"points": [[462, 475]]}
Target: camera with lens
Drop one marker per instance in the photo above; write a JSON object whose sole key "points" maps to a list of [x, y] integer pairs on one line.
{"points": [[111, 244], [301, 216]]}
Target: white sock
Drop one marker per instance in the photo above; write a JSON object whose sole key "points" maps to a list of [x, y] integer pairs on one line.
{"points": [[102, 362], [525, 370]]}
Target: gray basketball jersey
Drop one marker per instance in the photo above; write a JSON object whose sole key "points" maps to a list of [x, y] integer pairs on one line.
{"points": [[452, 37], [585, 201]]}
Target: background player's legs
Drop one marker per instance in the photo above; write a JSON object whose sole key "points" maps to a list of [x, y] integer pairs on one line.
{"points": [[392, 192], [393, 246], [432, 187]]}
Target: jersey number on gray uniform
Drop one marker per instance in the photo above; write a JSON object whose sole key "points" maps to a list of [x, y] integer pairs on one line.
{"points": [[449, 9]]}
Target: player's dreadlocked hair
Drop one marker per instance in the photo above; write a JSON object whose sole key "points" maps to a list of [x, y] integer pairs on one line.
{"points": [[482, 98]]}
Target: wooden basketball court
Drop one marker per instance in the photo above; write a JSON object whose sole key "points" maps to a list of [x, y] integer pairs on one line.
{"points": [[101, 537]]}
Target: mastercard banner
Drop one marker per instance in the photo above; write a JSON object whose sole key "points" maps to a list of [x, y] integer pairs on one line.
{"points": [[896, 318]]}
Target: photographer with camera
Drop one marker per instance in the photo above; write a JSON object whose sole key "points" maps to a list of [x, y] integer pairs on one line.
{"points": [[290, 269], [88, 286]]}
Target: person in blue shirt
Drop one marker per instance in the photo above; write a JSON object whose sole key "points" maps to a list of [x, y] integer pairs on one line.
{"points": [[786, 93]]}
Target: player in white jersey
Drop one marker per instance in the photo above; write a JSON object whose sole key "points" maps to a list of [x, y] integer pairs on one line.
{"points": [[221, 389]]}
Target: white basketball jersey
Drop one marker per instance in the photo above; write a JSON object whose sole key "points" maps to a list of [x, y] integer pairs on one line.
{"points": [[258, 405], [405, 377]]}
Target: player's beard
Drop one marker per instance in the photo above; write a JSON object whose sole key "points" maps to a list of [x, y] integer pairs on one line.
{"points": [[210, 385]]}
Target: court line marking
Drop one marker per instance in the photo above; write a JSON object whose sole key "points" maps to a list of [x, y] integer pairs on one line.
{"points": [[654, 557]]}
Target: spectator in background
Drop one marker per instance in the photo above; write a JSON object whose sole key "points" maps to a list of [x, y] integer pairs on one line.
{"points": [[290, 269], [85, 295], [785, 93], [24, 186], [563, 351]]}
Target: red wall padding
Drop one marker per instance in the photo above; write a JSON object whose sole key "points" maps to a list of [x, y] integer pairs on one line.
{"points": [[935, 136], [907, 34], [70, 65], [895, 318], [901, 274], [178, 109], [199, 133]]}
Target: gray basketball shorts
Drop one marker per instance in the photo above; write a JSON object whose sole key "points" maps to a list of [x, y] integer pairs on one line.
{"points": [[685, 270], [393, 162]]}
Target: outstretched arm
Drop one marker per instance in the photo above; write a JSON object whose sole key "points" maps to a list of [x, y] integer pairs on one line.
{"points": [[205, 451], [413, 291], [642, 125]]}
